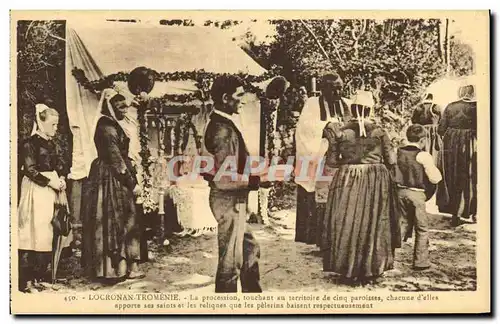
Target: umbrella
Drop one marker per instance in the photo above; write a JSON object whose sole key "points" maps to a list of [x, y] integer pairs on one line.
{"points": [[62, 231], [445, 90]]}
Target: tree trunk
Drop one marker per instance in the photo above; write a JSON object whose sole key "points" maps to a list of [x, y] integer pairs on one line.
{"points": [[447, 46], [388, 29], [439, 42], [356, 37]]}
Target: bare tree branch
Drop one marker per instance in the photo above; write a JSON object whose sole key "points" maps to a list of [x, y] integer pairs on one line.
{"points": [[330, 28], [353, 34], [356, 37], [329, 34], [56, 37], [46, 63], [336, 47], [28, 29], [361, 32], [36, 69], [296, 43], [311, 32], [364, 24]]}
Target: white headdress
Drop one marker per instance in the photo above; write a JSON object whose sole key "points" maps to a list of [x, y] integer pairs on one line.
{"points": [[362, 99], [106, 96], [37, 124], [467, 89], [429, 98]]}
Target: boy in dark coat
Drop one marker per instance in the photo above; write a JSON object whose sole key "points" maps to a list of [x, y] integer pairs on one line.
{"points": [[416, 176]]}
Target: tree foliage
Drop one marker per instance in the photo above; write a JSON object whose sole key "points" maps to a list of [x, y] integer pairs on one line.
{"points": [[396, 59], [462, 58], [41, 78], [393, 58]]}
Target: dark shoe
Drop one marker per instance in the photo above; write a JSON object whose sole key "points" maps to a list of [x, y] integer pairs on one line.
{"points": [[421, 268], [456, 221]]}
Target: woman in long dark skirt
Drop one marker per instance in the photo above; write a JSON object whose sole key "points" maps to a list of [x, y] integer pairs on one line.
{"points": [[457, 193], [428, 114], [110, 224], [361, 230]]}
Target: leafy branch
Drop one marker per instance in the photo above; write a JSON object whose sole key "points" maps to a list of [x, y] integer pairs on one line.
{"points": [[313, 35]]}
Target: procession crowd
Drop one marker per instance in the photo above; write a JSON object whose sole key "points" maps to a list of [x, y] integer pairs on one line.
{"points": [[375, 200]]}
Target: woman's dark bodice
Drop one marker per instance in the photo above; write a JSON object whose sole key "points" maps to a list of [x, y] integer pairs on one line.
{"points": [[112, 146], [40, 155], [458, 115], [109, 132], [426, 114], [346, 146]]}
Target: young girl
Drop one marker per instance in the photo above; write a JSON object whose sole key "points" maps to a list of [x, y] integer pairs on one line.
{"points": [[43, 177]]}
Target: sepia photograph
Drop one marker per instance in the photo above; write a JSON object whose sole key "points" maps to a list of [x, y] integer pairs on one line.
{"points": [[250, 162]]}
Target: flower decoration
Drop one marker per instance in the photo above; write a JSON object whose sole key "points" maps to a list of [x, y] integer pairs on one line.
{"points": [[140, 83]]}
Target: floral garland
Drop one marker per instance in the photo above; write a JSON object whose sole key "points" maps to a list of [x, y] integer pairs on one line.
{"points": [[164, 105], [270, 110], [182, 134], [172, 142], [149, 205], [181, 98], [271, 149], [201, 77], [254, 89]]}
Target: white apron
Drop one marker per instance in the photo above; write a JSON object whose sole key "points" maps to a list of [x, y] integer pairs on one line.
{"points": [[36, 209]]}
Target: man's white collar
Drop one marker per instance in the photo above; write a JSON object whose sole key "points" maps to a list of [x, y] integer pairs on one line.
{"points": [[224, 114], [413, 144]]}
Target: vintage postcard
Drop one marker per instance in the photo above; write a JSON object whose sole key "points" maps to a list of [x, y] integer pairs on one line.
{"points": [[250, 162]]}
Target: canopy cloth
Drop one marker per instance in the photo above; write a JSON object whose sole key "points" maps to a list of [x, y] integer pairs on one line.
{"points": [[100, 49], [446, 90]]}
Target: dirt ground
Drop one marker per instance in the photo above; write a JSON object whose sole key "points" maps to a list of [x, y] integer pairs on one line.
{"points": [[190, 263]]}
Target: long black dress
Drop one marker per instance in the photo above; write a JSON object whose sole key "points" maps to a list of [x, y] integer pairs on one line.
{"points": [[428, 115], [110, 222], [457, 193], [361, 230]]}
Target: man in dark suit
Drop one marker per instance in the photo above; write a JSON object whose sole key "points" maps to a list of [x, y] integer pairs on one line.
{"points": [[238, 250]]}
